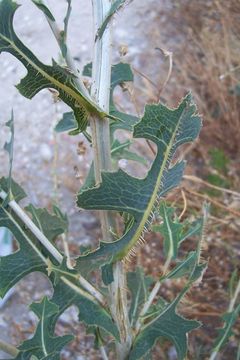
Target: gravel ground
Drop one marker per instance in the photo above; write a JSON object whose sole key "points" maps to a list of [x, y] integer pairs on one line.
{"points": [[35, 142]]}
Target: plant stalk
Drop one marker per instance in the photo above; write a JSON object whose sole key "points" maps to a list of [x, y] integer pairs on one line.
{"points": [[68, 57], [152, 296], [8, 349], [100, 91], [230, 309], [234, 298]]}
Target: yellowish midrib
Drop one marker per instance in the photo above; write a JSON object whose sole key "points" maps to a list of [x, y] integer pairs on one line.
{"points": [[154, 194], [74, 94]]}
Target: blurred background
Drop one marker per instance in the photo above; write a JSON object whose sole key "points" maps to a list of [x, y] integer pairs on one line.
{"points": [[173, 47]]}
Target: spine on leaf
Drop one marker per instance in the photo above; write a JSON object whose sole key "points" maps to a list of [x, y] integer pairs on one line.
{"points": [[168, 129]]}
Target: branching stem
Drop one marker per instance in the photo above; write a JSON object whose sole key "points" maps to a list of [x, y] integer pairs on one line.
{"points": [[152, 296], [68, 57]]}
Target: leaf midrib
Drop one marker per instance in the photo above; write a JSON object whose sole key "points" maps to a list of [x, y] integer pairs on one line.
{"points": [[24, 235], [156, 189], [74, 94]]}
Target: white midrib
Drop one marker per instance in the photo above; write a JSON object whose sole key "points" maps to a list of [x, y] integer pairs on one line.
{"points": [[25, 236], [42, 331], [171, 247]]}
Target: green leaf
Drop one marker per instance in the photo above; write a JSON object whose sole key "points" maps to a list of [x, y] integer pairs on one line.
{"points": [[44, 9], [193, 229], [91, 313], [183, 267], [17, 191], [66, 293], [229, 319], [116, 5], [233, 282], [120, 73], [138, 197], [171, 230], [169, 325], [121, 151], [50, 225], [64, 33], [8, 146], [43, 344], [40, 76], [30, 257], [219, 160], [107, 274], [138, 285], [68, 122], [26, 259]]}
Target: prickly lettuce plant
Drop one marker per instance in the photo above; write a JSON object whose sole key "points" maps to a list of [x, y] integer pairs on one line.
{"points": [[133, 323]]}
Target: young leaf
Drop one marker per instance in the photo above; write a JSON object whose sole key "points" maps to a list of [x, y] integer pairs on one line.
{"points": [[44, 9], [68, 122], [116, 5], [121, 151], [64, 33], [31, 257], [17, 191], [28, 258], [184, 267], [169, 325], [50, 225], [171, 230], [120, 74], [137, 197], [229, 320], [40, 76], [91, 313], [43, 345], [138, 285], [8, 146]]}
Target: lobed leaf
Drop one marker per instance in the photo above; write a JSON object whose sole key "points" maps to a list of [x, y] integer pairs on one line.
{"points": [[138, 285], [43, 345], [50, 225], [120, 73], [169, 325], [40, 76], [28, 257], [32, 256], [229, 319], [91, 313], [168, 129]]}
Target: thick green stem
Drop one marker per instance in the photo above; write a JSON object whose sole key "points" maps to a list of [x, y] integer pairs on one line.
{"points": [[100, 91]]}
